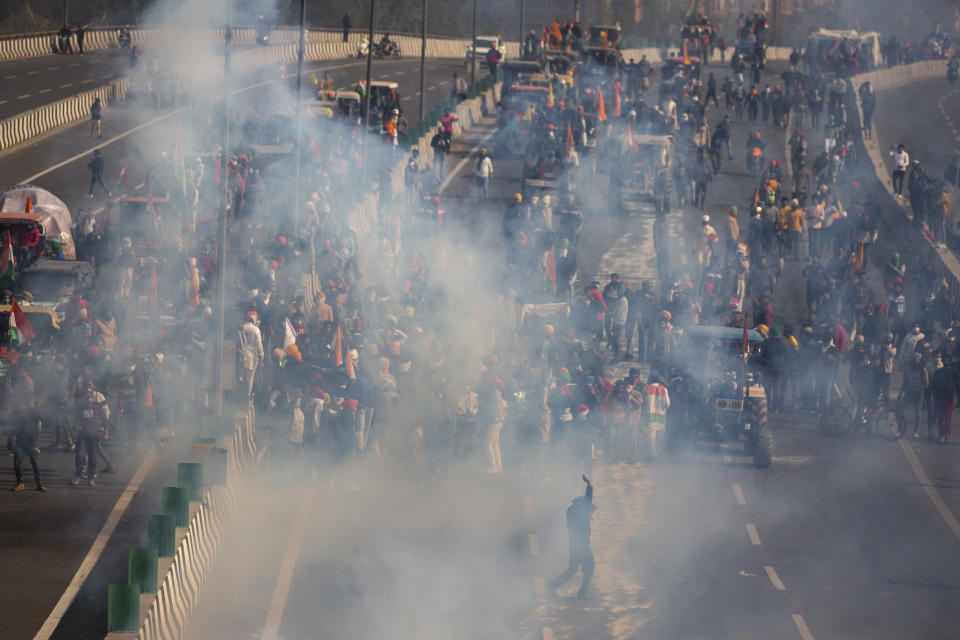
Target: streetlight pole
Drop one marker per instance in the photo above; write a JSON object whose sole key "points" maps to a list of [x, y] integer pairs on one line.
{"points": [[423, 55], [224, 203], [576, 10], [299, 118], [366, 96], [473, 61], [523, 22]]}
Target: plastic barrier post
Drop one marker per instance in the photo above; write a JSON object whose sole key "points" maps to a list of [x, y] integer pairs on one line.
{"points": [[176, 503], [123, 607], [162, 535], [190, 476], [142, 569]]}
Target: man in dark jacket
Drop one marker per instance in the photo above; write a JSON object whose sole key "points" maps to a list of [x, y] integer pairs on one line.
{"points": [[347, 25], [96, 173], [26, 438], [581, 557]]}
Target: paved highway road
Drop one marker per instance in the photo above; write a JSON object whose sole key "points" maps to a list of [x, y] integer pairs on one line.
{"points": [[35, 82], [841, 538], [44, 537], [924, 116]]}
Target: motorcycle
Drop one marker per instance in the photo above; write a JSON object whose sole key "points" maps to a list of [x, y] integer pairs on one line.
{"points": [[123, 37], [381, 50]]}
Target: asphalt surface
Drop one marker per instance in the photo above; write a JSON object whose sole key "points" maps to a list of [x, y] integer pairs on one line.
{"points": [[852, 537], [34, 82], [45, 536], [923, 116]]}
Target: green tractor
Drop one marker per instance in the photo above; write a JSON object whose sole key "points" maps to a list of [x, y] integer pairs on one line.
{"points": [[730, 406]]}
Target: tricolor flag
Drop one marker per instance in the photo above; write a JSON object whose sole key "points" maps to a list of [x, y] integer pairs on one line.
{"points": [[8, 265], [20, 328]]}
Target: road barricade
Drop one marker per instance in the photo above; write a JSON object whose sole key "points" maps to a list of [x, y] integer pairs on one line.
{"points": [[21, 127], [166, 577], [897, 232]]}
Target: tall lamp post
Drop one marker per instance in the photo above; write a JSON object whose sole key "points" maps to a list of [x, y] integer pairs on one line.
{"points": [[366, 95], [222, 227], [473, 47], [423, 55], [298, 146]]}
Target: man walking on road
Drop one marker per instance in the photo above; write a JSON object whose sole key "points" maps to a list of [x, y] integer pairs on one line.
{"points": [[92, 417], [483, 170], [96, 174], [581, 557], [347, 25], [26, 438]]}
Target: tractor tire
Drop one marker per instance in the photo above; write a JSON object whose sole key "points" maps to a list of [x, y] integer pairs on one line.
{"points": [[762, 447]]}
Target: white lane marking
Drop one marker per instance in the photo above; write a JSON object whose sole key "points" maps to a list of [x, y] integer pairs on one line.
{"points": [[928, 487], [96, 549], [4, 101], [405, 98], [460, 165], [417, 93], [87, 81], [11, 77], [540, 587], [802, 626], [738, 493], [534, 544], [45, 91], [754, 536], [774, 578], [444, 83], [140, 186], [74, 64], [431, 87], [547, 633], [282, 589], [30, 73], [152, 122], [64, 86], [399, 73], [728, 459], [26, 95], [56, 66], [527, 506]]}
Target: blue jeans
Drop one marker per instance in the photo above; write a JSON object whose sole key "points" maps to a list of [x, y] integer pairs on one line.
{"points": [[483, 186]]}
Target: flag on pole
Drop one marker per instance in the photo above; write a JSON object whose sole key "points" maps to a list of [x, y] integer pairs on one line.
{"points": [[289, 334], [338, 348], [550, 96], [555, 32], [550, 270], [569, 140], [601, 110], [686, 57], [29, 205], [20, 328], [631, 141], [616, 99], [8, 265]]}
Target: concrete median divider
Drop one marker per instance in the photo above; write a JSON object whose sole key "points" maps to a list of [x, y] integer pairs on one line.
{"points": [[165, 578], [23, 126], [896, 229]]}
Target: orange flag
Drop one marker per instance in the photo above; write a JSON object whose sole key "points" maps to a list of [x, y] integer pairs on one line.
{"points": [[550, 270], [616, 99], [29, 205], [338, 348], [555, 32], [601, 110], [686, 57], [569, 139]]}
